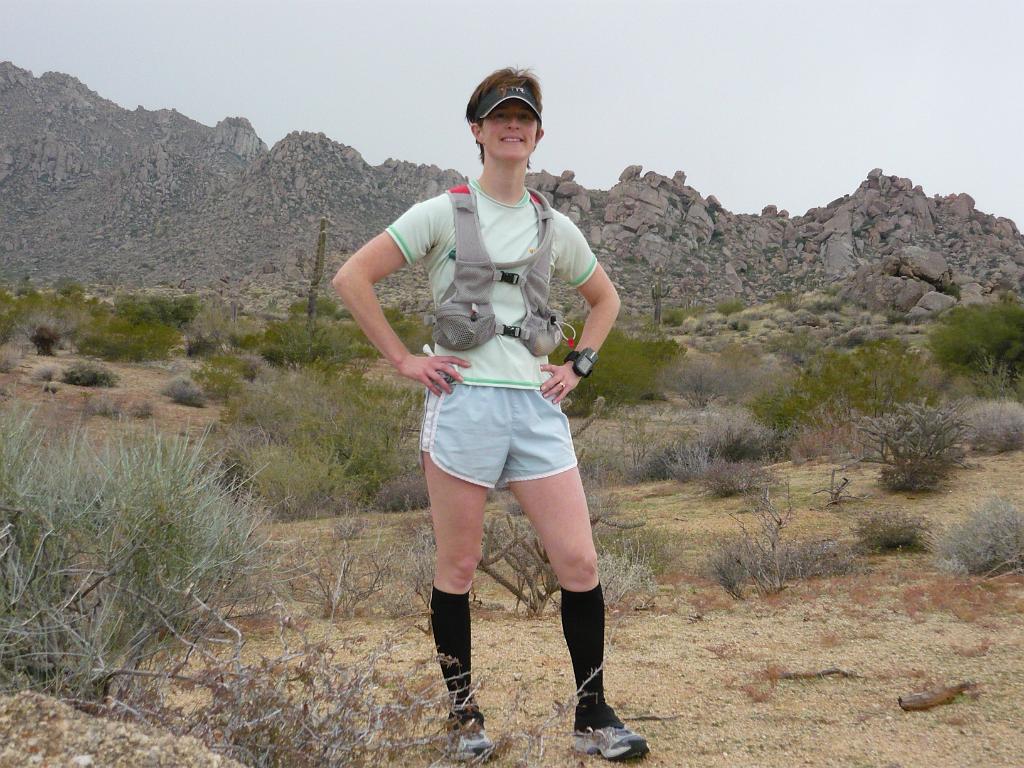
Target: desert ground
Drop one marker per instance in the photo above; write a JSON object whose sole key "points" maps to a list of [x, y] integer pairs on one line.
{"points": [[701, 674]]}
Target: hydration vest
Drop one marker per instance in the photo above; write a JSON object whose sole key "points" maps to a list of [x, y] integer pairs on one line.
{"points": [[465, 317]]}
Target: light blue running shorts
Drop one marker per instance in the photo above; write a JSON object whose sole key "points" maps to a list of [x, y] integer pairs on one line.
{"points": [[492, 436]]}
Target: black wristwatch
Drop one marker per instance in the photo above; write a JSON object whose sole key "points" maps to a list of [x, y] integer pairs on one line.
{"points": [[582, 361]]}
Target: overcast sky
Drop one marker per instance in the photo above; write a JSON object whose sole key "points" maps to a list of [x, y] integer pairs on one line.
{"points": [[760, 102]]}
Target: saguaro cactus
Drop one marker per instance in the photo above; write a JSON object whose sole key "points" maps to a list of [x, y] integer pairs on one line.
{"points": [[317, 274], [658, 292]]}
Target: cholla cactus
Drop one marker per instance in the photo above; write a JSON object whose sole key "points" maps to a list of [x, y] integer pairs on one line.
{"points": [[918, 444]]}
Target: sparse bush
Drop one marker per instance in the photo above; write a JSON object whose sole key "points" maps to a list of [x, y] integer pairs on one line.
{"points": [[120, 339], [731, 375], [207, 332], [109, 553], [141, 410], [690, 460], [989, 542], [10, 358], [734, 435], [891, 530], [996, 426], [655, 465], [340, 580], [403, 493], [726, 566], [797, 346], [102, 405], [823, 437], [762, 555], [514, 557], [739, 324], [917, 444], [88, 374], [46, 373], [626, 577], [787, 300], [416, 566], [725, 478], [184, 391], [322, 703]]}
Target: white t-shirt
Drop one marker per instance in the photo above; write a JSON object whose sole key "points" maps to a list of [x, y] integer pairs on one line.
{"points": [[426, 232]]}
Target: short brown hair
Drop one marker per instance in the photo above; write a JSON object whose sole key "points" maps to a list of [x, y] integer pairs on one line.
{"points": [[506, 77]]}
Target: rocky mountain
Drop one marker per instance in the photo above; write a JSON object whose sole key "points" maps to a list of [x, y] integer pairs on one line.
{"points": [[97, 193]]}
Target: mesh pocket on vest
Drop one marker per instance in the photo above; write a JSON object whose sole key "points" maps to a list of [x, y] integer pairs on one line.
{"points": [[454, 328]]}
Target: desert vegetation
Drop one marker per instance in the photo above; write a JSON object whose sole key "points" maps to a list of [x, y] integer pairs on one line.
{"points": [[208, 515]]}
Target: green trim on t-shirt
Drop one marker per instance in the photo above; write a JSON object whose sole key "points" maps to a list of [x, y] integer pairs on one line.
{"points": [[585, 276], [399, 242]]}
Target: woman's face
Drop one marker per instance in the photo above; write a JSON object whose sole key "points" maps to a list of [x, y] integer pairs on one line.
{"points": [[509, 133]]}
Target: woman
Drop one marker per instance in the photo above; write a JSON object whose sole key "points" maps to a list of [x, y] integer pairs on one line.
{"points": [[492, 415]]}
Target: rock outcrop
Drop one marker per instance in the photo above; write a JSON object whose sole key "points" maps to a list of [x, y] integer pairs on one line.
{"points": [[98, 193]]}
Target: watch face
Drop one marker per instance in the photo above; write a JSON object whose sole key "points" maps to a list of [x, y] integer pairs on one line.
{"points": [[583, 364]]}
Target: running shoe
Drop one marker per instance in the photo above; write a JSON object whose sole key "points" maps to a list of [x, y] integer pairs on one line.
{"points": [[613, 742], [470, 743]]}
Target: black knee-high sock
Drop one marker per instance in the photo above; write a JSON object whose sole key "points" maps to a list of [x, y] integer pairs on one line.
{"points": [[449, 620], [583, 627]]}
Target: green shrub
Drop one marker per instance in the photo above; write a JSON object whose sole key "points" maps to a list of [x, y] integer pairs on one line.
{"points": [[676, 316], [973, 339], [413, 332], [868, 380], [120, 339], [222, 376], [787, 300], [317, 442], [627, 371], [989, 542], [729, 307], [89, 374], [326, 309], [795, 346], [290, 344], [109, 553], [173, 311]]}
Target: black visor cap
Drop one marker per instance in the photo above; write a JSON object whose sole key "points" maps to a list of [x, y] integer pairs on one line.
{"points": [[497, 96]]}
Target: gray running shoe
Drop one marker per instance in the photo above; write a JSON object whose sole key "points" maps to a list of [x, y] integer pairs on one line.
{"points": [[612, 743], [470, 742]]}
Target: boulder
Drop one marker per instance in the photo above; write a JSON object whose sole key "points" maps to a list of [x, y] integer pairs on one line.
{"points": [[934, 302]]}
